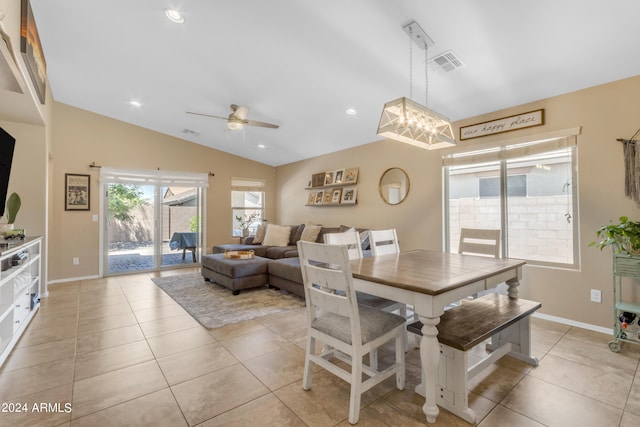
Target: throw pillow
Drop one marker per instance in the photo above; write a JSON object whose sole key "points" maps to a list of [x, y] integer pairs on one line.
{"points": [[296, 233], [260, 232], [310, 232], [276, 235], [364, 240]]}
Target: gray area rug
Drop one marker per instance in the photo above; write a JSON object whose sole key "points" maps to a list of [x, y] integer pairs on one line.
{"points": [[214, 306]]}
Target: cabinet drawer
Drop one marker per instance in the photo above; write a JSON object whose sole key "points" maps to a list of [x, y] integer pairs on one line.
{"points": [[627, 266], [20, 310]]}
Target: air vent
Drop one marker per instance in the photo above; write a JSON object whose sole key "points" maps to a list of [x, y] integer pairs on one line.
{"points": [[190, 132], [447, 61]]}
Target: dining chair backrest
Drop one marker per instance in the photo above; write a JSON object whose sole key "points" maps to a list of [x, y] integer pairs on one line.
{"points": [[328, 283], [477, 241], [349, 238], [383, 242]]}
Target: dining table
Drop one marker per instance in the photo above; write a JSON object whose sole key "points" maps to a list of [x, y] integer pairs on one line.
{"points": [[430, 281]]}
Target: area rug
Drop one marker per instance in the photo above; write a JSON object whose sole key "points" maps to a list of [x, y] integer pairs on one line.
{"points": [[214, 306]]}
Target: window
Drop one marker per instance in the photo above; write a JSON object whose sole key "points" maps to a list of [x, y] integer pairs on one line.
{"points": [[247, 203], [528, 191], [516, 186]]}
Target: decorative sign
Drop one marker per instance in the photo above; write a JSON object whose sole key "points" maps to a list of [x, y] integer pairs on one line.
{"points": [[520, 121]]}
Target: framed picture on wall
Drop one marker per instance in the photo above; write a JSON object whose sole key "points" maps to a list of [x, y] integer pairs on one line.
{"points": [[31, 50], [328, 178], [350, 176], [327, 197], [338, 176], [319, 197], [349, 195], [311, 199], [337, 194], [77, 192]]}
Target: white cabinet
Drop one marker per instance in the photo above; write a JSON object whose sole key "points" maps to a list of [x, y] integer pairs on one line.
{"points": [[20, 266]]}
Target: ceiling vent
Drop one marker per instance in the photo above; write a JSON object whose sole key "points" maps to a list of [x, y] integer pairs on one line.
{"points": [[447, 61], [190, 132]]}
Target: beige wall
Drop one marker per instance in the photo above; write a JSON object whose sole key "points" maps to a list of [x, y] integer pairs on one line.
{"points": [[604, 113], [30, 166], [81, 137], [417, 219]]}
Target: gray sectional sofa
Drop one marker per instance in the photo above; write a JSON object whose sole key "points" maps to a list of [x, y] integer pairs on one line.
{"points": [[283, 267]]}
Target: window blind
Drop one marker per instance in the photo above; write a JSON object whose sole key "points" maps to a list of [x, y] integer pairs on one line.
{"points": [[506, 152], [247, 184], [164, 178]]}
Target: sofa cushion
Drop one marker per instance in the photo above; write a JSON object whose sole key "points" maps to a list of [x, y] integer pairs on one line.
{"points": [[277, 235], [310, 232], [277, 252], [292, 253], [260, 233], [286, 268]]}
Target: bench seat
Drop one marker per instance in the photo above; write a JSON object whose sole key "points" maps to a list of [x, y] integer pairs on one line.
{"points": [[505, 320]]}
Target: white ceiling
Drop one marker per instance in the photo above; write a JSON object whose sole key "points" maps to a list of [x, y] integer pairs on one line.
{"points": [[301, 64]]}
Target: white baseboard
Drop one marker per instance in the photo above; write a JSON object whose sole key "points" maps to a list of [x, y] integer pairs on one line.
{"points": [[71, 279], [574, 323]]}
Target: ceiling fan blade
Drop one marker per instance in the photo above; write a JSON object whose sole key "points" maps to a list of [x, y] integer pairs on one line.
{"points": [[261, 124], [207, 115]]}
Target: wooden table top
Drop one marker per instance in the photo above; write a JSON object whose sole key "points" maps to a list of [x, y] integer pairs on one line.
{"points": [[430, 272]]}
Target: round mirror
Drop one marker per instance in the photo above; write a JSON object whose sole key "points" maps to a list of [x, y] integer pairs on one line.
{"points": [[394, 186]]}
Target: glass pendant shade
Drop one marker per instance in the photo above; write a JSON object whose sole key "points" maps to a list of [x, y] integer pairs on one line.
{"points": [[407, 121]]}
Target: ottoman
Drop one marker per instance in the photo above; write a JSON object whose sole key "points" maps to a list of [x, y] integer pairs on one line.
{"points": [[235, 274]]}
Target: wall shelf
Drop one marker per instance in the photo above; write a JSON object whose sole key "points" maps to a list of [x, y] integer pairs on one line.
{"points": [[19, 289], [333, 188]]}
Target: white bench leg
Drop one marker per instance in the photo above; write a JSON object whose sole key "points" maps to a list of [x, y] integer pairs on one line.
{"points": [[519, 335]]}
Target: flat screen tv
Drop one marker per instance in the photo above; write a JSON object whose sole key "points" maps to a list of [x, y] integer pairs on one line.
{"points": [[7, 143]]}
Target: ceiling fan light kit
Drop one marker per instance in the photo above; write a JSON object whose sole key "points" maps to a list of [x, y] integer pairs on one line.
{"points": [[405, 120]]}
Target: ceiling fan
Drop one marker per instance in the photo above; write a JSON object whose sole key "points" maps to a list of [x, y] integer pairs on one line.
{"points": [[238, 118]]}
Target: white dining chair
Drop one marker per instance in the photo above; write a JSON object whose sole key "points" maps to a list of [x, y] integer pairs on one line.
{"points": [[348, 329], [477, 241], [383, 242], [351, 239], [481, 242]]}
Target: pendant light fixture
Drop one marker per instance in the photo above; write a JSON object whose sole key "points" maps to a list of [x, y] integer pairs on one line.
{"points": [[405, 120]]}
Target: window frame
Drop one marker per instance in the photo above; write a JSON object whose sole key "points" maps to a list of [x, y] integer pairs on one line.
{"points": [[481, 157], [246, 185]]}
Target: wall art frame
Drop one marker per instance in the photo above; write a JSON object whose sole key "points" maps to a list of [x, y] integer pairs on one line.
{"points": [[77, 192], [505, 124]]}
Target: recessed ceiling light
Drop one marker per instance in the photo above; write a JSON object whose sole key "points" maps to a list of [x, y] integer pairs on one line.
{"points": [[262, 146], [351, 111], [136, 104], [174, 16]]}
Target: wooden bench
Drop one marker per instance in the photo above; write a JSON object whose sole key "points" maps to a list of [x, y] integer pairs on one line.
{"points": [[505, 320]]}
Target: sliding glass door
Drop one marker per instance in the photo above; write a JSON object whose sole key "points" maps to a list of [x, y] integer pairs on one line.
{"points": [[130, 228], [149, 225]]}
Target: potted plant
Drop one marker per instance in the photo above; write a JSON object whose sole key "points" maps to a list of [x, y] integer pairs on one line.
{"points": [[246, 220], [621, 237], [13, 206]]}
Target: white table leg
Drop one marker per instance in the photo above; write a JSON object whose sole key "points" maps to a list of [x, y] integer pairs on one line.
{"points": [[430, 358], [513, 284]]}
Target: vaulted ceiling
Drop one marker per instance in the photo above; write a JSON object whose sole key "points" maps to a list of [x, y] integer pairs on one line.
{"points": [[302, 64]]}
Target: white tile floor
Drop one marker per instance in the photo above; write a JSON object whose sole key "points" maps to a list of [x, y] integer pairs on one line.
{"points": [[120, 352]]}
